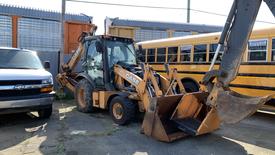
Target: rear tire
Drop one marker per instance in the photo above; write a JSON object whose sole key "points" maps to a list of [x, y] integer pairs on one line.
{"points": [[45, 113], [83, 96], [122, 110]]}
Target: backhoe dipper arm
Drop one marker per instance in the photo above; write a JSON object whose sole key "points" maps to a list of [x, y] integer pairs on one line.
{"points": [[245, 13], [231, 106]]}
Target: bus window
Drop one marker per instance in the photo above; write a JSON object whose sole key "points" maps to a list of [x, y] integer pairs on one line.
{"points": [[257, 50], [172, 54], [151, 55], [185, 52], [199, 53], [212, 51], [141, 55], [273, 50], [161, 54]]}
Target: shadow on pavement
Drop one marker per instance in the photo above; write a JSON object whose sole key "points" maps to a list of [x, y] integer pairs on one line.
{"points": [[17, 128], [257, 130]]}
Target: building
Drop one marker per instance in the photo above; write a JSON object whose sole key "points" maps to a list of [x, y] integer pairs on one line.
{"points": [[39, 30], [148, 30]]}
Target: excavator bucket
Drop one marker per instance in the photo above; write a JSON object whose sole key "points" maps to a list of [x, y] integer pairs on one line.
{"points": [[233, 107]]}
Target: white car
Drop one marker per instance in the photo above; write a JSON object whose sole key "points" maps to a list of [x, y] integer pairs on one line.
{"points": [[25, 85]]}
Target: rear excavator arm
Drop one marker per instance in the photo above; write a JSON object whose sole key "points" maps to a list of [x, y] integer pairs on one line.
{"points": [[233, 107], [67, 78]]}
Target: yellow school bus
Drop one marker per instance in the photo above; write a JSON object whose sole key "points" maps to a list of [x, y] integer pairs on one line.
{"points": [[192, 55]]}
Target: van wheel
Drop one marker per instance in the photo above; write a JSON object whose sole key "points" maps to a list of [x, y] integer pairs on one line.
{"points": [[122, 110], [83, 96], [45, 113]]}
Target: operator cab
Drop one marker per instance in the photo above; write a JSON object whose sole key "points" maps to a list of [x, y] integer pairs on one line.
{"points": [[103, 52]]}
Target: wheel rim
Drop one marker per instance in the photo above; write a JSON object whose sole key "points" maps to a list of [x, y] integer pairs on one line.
{"points": [[117, 110], [80, 98]]}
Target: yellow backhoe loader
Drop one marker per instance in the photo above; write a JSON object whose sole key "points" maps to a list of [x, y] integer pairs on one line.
{"points": [[112, 79]]}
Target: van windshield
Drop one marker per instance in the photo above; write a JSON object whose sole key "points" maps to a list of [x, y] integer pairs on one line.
{"points": [[19, 59]]}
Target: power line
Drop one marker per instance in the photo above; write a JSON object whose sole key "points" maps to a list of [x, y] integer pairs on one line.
{"points": [[157, 7]]}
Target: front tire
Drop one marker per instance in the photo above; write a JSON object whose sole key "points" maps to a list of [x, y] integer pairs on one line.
{"points": [[45, 113], [83, 96], [122, 110]]}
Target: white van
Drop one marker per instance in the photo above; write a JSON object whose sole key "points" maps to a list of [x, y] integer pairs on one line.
{"points": [[25, 85]]}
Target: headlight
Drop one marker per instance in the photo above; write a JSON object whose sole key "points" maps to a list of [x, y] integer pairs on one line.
{"points": [[48, 85], [48, 81]]}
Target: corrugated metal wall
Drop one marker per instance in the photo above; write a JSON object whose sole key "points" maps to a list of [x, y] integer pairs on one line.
{"points": [[143, 34], [5, 31], [39, 35]]}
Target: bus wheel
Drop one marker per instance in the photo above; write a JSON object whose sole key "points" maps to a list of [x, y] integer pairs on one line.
{"points": [[190, 86]]}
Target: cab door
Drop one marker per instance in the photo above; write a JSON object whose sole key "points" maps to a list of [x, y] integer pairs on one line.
{"points": [[94, 64]]}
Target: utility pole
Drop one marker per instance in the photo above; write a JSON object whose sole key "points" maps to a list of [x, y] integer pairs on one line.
{"points": [[188, 11], [62, 20]]}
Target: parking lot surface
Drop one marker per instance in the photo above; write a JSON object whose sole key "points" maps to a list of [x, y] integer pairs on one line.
{"points": [[71, 132]]}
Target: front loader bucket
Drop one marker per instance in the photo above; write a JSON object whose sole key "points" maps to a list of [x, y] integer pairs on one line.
{"points": [[176, 116], [157, 123], [233, 107], [173, 117], [193, 117]]}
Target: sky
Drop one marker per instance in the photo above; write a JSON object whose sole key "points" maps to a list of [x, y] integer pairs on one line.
{"points": [[99, 12]]}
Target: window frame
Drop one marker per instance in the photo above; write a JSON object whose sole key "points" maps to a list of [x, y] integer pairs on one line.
{"points": [[172, 54], [165, 53], [266, 50], [190, 53], [271, 50], [147, 55], [202, 44], [209, 52]]}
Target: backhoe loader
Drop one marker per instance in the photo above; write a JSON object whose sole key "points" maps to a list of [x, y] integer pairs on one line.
{"points": [[112, 79]]}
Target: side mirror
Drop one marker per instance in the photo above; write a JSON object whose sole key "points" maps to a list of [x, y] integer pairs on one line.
{"points": [[47, 65], [99, 47]]}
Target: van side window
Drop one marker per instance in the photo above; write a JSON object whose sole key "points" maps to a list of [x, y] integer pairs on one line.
{"points": [[151, 55], [172, 54], [185, 53], [200, 53]]}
